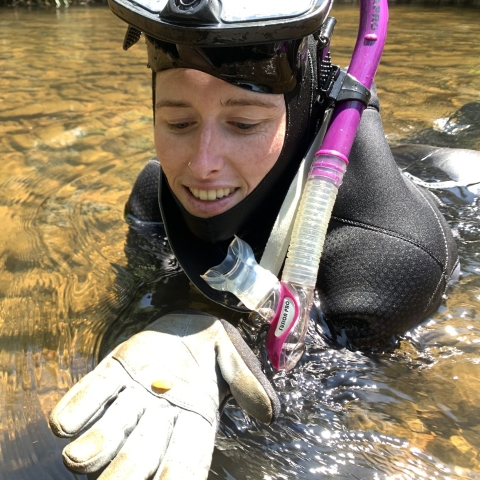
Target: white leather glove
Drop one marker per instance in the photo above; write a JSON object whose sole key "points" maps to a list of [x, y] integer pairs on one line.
{"points": [[130, 420]]}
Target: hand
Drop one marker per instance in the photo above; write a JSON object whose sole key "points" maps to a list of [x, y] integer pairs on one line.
{"points": [[151, 407]]}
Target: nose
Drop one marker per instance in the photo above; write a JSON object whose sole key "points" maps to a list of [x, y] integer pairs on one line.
{"points": [[207, 159]]}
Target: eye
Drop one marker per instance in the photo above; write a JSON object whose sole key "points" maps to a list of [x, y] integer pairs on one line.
{"points": [[179, 125], [245, 126]]}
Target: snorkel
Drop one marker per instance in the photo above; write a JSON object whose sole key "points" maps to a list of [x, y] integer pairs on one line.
{"points": [[286, 304]]}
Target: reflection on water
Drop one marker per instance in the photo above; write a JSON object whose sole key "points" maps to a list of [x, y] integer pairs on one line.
{"points": [[75, 129]]}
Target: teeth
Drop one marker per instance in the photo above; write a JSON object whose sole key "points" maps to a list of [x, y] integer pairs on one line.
{"points": [[210, 195]]}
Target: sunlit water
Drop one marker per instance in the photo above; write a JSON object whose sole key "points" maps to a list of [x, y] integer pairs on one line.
{"points": [[75, 130]]}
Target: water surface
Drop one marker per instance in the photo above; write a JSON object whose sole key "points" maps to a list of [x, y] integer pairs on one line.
{"points": [[75, 130]]}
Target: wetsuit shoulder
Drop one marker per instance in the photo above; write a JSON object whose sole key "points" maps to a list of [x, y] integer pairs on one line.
{"points": [[389, 252]]}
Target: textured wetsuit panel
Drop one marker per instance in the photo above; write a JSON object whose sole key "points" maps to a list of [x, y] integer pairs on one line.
{"points": [[374, 285]]}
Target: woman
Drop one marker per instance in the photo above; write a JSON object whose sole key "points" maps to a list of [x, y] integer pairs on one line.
{"points": [[234, 116]]}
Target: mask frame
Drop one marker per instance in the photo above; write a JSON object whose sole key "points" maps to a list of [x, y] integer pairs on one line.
{"points": [[207, 23]]}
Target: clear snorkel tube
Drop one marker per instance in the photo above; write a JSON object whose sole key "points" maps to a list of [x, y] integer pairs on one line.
{"points": [[286, 304]]}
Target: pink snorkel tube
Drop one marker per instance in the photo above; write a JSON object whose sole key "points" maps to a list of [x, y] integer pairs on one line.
{"points": [[286, 304], [325, 177], [372, 34]]}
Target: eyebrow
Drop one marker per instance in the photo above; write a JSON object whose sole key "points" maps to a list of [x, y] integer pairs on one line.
{"points": [[248, 102], [172, 103], [231, 102]]}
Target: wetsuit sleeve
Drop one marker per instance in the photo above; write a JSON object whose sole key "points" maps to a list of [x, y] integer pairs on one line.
{"points": [[148, 254], [143, 200], [389, 252]]}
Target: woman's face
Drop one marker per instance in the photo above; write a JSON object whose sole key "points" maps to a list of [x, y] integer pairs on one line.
{"points": [[215, 141]]}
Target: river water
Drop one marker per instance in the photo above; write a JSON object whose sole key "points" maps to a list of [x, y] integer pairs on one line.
{"points": [[75, 130]]}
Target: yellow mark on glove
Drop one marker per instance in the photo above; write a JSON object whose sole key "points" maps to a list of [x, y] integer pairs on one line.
{"points": [[162, 386]]}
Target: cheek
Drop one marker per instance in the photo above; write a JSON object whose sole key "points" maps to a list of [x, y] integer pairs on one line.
{"points": [[157, 141], [168, 153], [262, 158]]}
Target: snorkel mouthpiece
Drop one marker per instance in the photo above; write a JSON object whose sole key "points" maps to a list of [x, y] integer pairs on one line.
{"points": [[241, 275], [281, 304]]}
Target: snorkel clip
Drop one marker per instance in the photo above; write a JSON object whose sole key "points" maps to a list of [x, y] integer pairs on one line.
{"points": [[341, 86]]}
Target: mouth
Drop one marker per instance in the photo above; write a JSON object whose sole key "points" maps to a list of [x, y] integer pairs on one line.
{"points": [[211, 195]]}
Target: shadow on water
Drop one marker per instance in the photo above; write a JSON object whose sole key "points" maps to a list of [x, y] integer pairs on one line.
{"points": [[75, 130]]}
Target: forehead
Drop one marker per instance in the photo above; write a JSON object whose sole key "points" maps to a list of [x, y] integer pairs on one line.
{"points": [[185, 82], [178, 77]]}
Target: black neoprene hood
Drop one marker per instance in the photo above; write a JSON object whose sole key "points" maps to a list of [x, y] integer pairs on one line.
{"points": [[268, 46], [223, 22]]}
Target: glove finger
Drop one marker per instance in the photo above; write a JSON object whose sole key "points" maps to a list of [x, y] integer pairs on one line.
{"points": [[87, 399], [99, 445], [241, 370], [145, 448], [189, 452]]}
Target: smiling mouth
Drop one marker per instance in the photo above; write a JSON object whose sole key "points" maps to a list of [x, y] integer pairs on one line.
{"points": [[211, 195]]}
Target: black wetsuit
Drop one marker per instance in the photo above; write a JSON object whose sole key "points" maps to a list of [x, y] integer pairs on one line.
{"points": [[388, 255]]}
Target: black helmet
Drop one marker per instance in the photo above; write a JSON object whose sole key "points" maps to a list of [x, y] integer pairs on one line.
{"points": [[260, 45]]}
